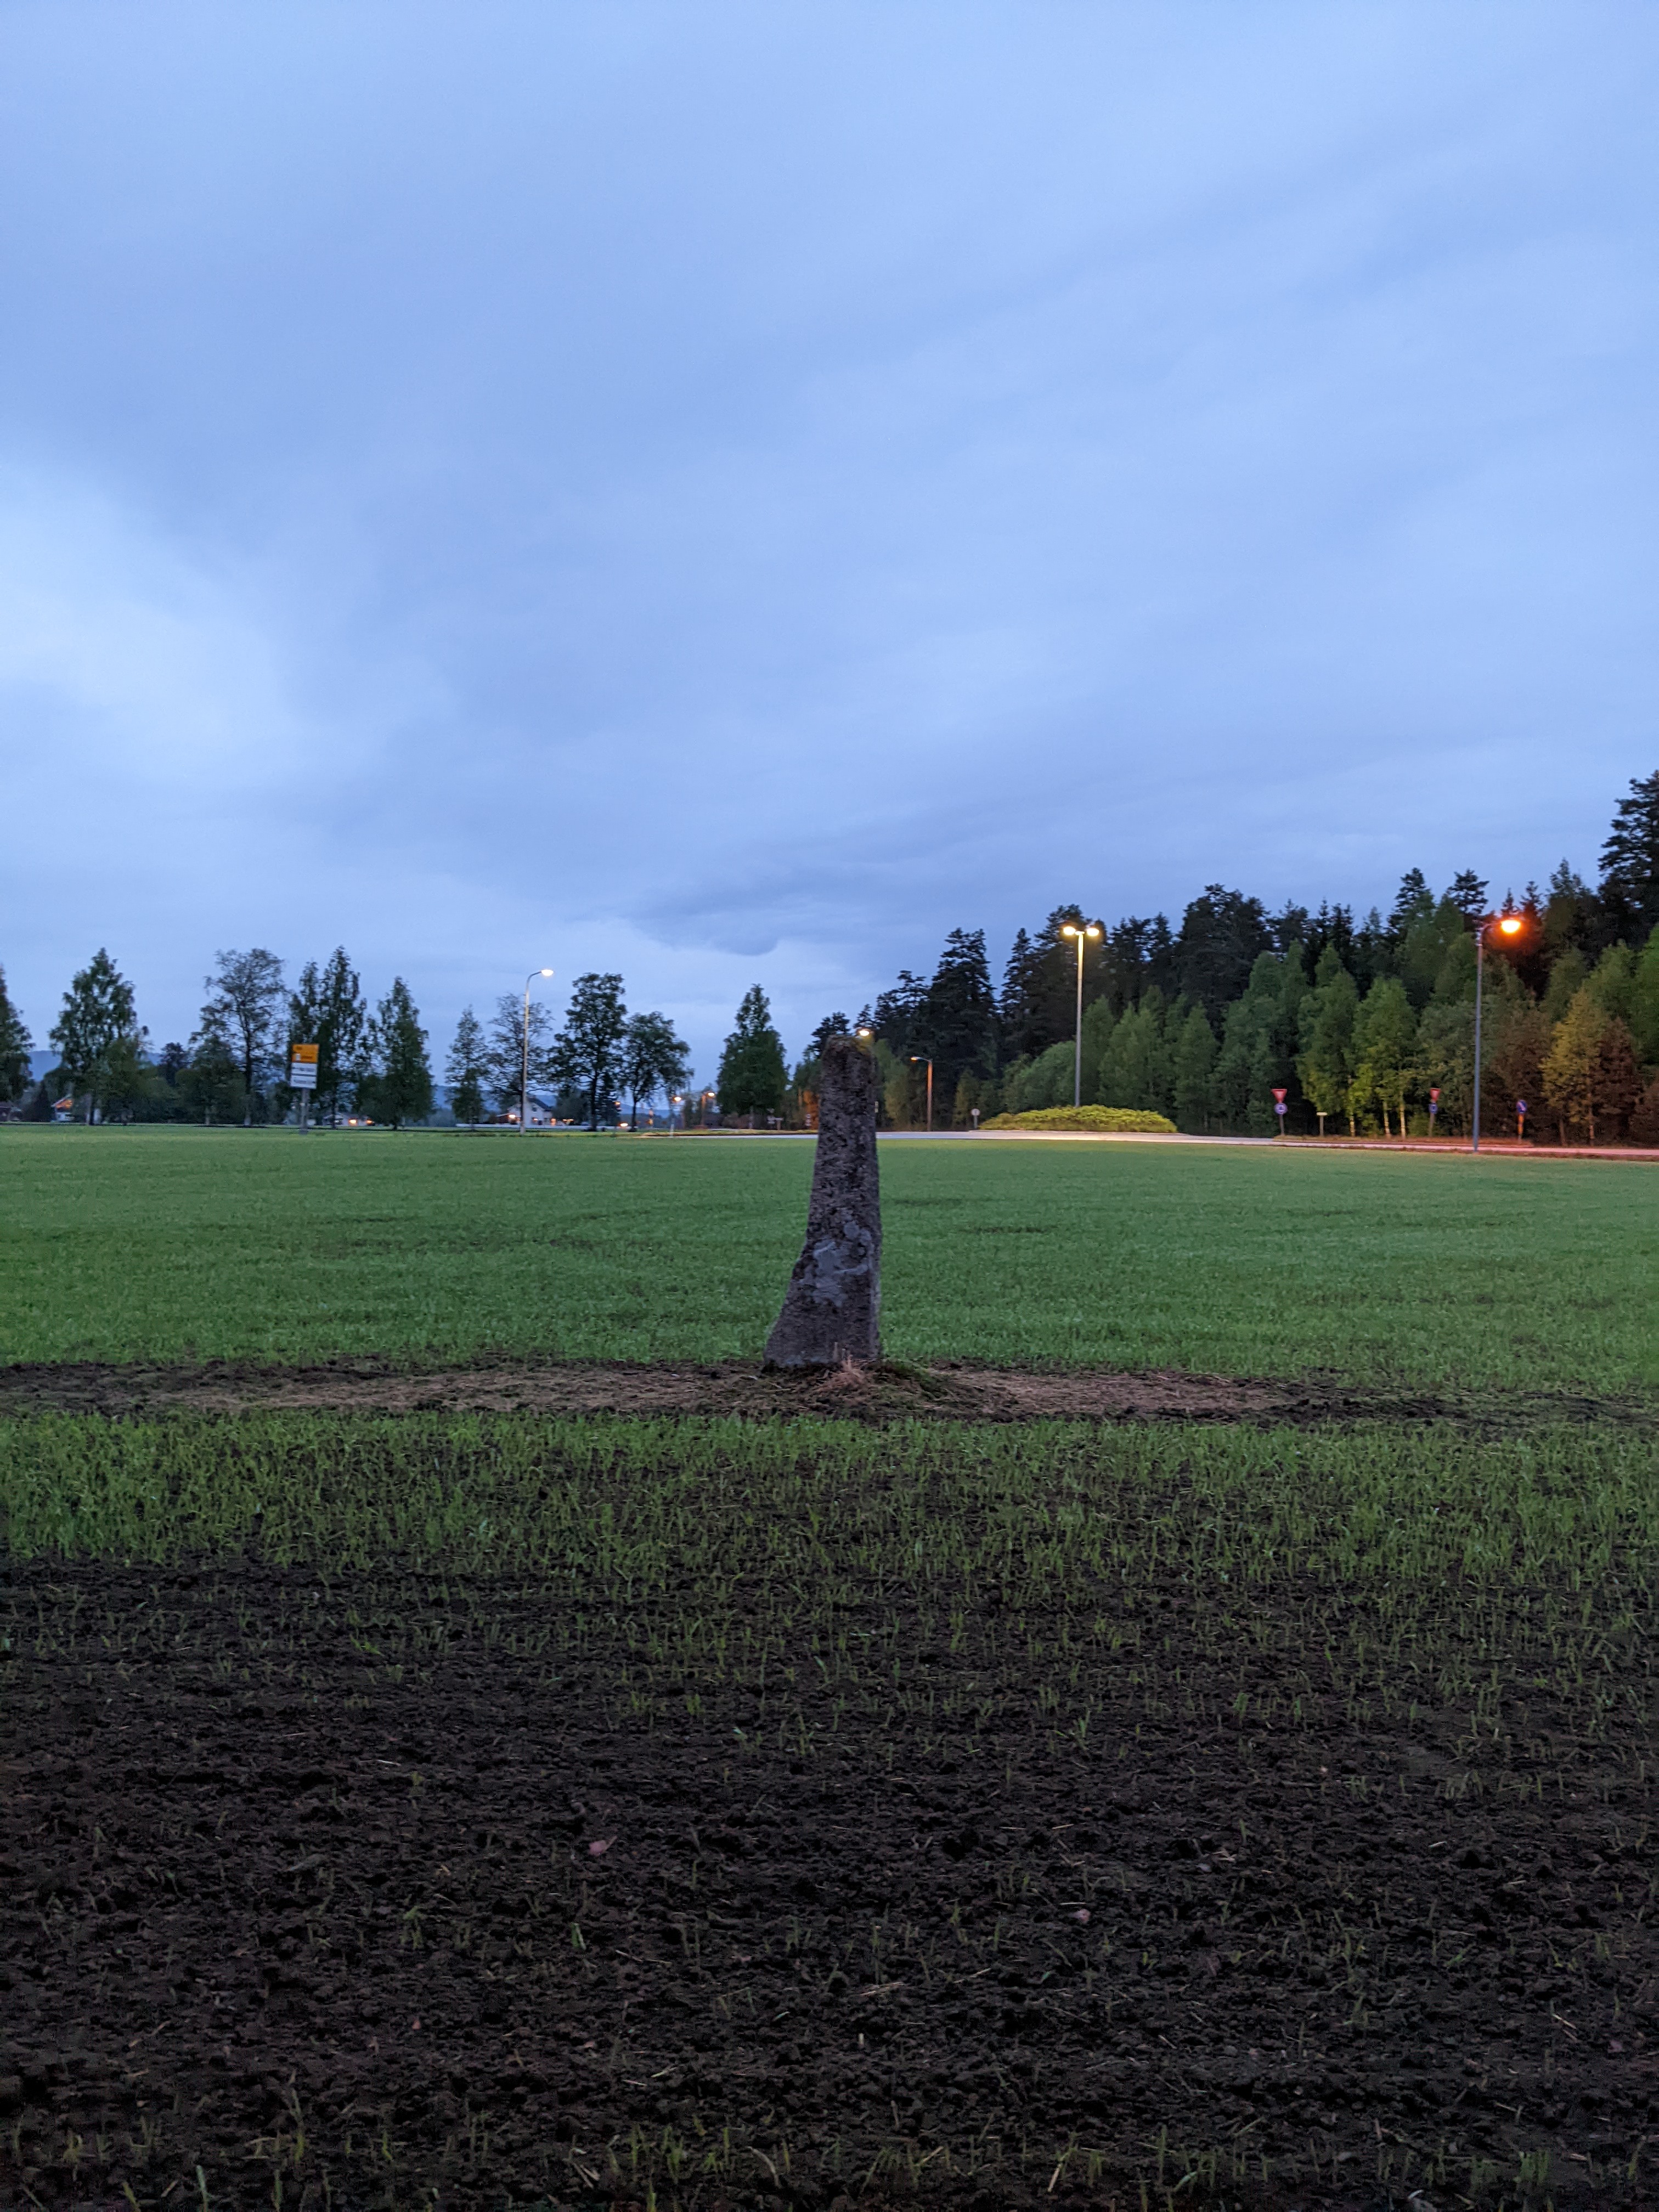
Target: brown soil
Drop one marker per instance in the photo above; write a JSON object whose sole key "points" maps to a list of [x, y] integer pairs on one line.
{"points": [[888, 1392], [348, 1894]]}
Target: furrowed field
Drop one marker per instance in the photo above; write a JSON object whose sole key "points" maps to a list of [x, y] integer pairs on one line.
{"points": [[1248, 1803]]}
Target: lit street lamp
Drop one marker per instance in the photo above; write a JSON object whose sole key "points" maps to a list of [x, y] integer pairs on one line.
{"points": [[524, 1057], [916, 1059], [1509, 925], [1080, 930]]}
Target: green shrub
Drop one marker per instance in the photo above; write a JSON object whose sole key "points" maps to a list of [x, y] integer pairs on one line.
{"points": [[1097, 1120]]}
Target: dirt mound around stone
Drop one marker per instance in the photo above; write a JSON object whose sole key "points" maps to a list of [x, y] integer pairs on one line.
{"points": [[888, 1392], [744, 1389]]}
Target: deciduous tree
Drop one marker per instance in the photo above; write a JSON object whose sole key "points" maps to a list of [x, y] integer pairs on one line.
{"points": [[654, 1059], [1326, 1021], [245, 1009], [508, 1062], [1384, 1046], [1135, 1068], [587, 1052]]}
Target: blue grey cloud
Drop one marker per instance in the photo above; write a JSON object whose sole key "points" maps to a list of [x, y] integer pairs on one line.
{"points": [[734, 492]]}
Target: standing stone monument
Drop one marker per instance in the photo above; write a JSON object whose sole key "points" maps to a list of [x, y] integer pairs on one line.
{"points": [[834, 1302]]}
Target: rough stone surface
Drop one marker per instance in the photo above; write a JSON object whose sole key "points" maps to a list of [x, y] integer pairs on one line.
{"points": [[831, 1312]]}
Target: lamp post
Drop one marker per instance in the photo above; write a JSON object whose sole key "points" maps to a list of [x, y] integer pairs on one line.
{"points": [[1509, 925], [523, 1055], [1081, 931], [916, 1060]]}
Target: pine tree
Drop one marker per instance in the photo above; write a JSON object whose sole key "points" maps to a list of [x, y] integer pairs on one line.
{"points": [[1223, 934], [955, 1023], [1259, 1044], [1630, 858], [467, 1068], [1514, 1067], [752, 1075], [1573, 917], [327, 1009], [1468, 893], [1643, 1014], [1195, 1065], [98, 1019], [1618, 1081], [1570, 1065], [1411, 899], [14, 1041], [404, 1076], [1432, 934], [1012, 1005], [209, 1083]]}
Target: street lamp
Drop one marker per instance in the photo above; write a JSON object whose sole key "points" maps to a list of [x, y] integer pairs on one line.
{"points": [[524, 1057], [1081, 931], [916, 1059], [1509, 925]]}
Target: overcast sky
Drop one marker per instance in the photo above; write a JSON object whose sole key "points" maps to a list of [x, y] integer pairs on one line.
{"points": [[729, 492]]}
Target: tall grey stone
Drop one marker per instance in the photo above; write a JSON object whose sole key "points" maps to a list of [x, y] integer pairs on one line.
{"points": [[833, 1305]]}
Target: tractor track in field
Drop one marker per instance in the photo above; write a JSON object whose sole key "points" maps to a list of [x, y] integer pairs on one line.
{"points": [[743, 1389]]}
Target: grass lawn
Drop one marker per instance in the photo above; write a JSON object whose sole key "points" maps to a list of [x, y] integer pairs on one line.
{"points": [[176, 1244]]}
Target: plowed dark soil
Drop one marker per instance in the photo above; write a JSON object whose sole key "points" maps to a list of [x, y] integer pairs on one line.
{"points": [[744, 1389], [339, 1895]]}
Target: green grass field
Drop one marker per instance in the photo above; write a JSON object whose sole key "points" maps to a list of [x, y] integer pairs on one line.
{"points": [[1440, 1272], [1301, 1775]]}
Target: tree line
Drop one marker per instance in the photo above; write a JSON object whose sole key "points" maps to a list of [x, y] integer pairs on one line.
{"points": [[1363, 1023], [373, 1061]]}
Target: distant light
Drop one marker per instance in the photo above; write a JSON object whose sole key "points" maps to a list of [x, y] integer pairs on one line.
{"points": [[1510, 925]]}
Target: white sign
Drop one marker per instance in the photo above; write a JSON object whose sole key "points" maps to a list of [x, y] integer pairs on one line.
{"points": [[302, 1068]]}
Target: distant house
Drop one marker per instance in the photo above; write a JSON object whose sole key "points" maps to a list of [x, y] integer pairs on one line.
{"points": [[539, 1114]]}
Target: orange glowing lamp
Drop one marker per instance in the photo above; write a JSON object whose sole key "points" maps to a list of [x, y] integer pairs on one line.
{"points": [[1510, 925]]}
